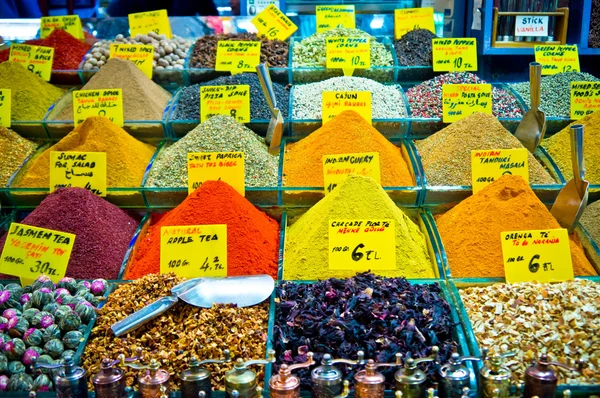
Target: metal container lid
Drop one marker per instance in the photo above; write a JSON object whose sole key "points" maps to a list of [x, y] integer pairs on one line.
{"points": [[288, 383], [154, 375], [195, 372], [240, 375], [108, 374], [326, 372], [495, 371], [410, 374], [369, 375]]}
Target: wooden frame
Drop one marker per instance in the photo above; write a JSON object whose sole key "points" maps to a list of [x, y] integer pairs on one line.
{"points": [[560, 29]]}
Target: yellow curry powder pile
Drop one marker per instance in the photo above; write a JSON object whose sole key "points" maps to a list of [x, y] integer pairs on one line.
{"points": [[348, 132], [471, 230], [126, 157], [14, 149], [356, 198]]}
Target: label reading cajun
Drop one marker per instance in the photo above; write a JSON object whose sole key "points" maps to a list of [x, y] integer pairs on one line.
{"points": [[237, 56], [141, 55], [107, 103], [454, 55], [557, 59], [273, 24], [337, 167], [537, 255], [585, 99], [490, 164], [329, 17], [5, 107], [531, 25], [70, 23], [231, 100], [31, 251], [36, 59], [224, 166], [335, 102], [348, 53], [407, 19], [78, 169], [461, 100], [362, 245], [142, 23], [192, 251]]}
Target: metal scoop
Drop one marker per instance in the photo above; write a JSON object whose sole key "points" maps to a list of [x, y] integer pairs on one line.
{"points": [[275, 131], [572, 199], [242, 291], [532, 128]]}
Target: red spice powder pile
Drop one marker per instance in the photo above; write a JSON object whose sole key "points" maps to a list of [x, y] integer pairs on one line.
{"points": [[252, 236]]}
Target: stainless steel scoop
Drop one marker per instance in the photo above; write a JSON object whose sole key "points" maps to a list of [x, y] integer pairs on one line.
{"points": [[275, 130], [532, 128]]}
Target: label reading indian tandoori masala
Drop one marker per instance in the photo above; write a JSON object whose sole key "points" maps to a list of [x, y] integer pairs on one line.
{"points": [[5, 107], [224, 166], [557, 59], [330, 17], [461, 100], [36, 59], [107, 103], [585, 99], [454, 55], [337, 167], [78, 169], [489, 165], [335, 102]]}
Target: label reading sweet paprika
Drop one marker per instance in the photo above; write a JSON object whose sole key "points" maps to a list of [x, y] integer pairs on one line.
{"points": [[489, 165], [461, 100], [224, 166], [142, 23], [5, 107], [337, 167], [237, 56], [141, 55], [273, 24], [78, 169], [407, 19], [335, 102], [233, 100], [585, 99], [348, 53], [107, 103], [454, 55], [330, 17], [36, 59], [69, 23], [557, 59]]}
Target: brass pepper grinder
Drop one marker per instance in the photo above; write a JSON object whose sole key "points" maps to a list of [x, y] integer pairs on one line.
{"points": [[151, 381], [241, 381], [410, 380], [369, 383], [70, 382], [454, 376], [493, 376], [327, 379], [541, 380], [197, 379], [285, 384], [110, 381]]}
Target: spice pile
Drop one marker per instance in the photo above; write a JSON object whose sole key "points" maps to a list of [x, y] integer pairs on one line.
{"points": [[103, 231], [471, 230], [180, 333], [559, 148], [346, 133], [387, 100], [446, 155], [126, 157], [559, 319], [188, 106], [272, 52], [218, 134], [14, 149], [252, 236], [590, 220], [555, 92], [379, 316], [415, 48], [425, 99], [356, 198]]}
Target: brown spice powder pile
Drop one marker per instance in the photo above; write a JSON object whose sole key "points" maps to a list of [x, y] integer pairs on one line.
{"points": [[591, 220]]}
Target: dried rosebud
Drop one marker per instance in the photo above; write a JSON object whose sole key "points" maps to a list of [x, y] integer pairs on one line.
{"points": [[3, 382], [25, 298], [29, 357], [9, 313], [98, 287], [61, 291], [3, 324]]}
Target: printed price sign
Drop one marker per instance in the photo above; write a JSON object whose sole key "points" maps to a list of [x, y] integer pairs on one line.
{"points": [[224, 166], [362, 245], [585, 99], [557, 59], [78, 169], [194, 250], [348, 53], [337, 167], [31, 251], [142, 23], [141, 55], [37, 59], [5, 107], [232, 101], [537, 255], [530, 25], [237, 56], [273, 24], [329, 17], [489, 165], [454, 55], [335, 102], [461, 100], [70, 23], [407, 19], [107, 103]]}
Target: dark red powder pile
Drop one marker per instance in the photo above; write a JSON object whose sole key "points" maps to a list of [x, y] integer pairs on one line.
{"points": [[103, 231]]}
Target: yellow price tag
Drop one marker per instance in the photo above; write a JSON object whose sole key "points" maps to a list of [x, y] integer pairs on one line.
{"points": [[585, 99], [31, 251], [407, 19], [142, 23], [362, 245], [70, 23], [237, 56], [557, 59], [461, 100], [141, 55], [337, 167], [212, 166], [335, 102], [231, 100], [192, 251], [107, 103], [348, 53], [5, 107], [454, 55], [78, 169], [330, 17], [273, 24], [537, 255], [487, 165], [37, 59]]}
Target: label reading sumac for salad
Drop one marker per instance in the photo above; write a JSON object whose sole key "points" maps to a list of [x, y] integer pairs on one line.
{"points": [[78, 169]]}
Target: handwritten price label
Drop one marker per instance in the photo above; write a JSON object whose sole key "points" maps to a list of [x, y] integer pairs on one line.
{"points": [[5, 107], [237, 56], [362, 245], [530, 25], [231, 100], [329, 17], [273, 24], [537, 255], [337, 167], [212, 166], [69, 23], [557, 59], [489, 165], [454, 55], [78, 169], [37, 59], [107, 103], [31, 251], [141, 55], [461, 100], [348, 53], [585, 99], [407, 19], [142, 23], [194, 250], [335, 102]]}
